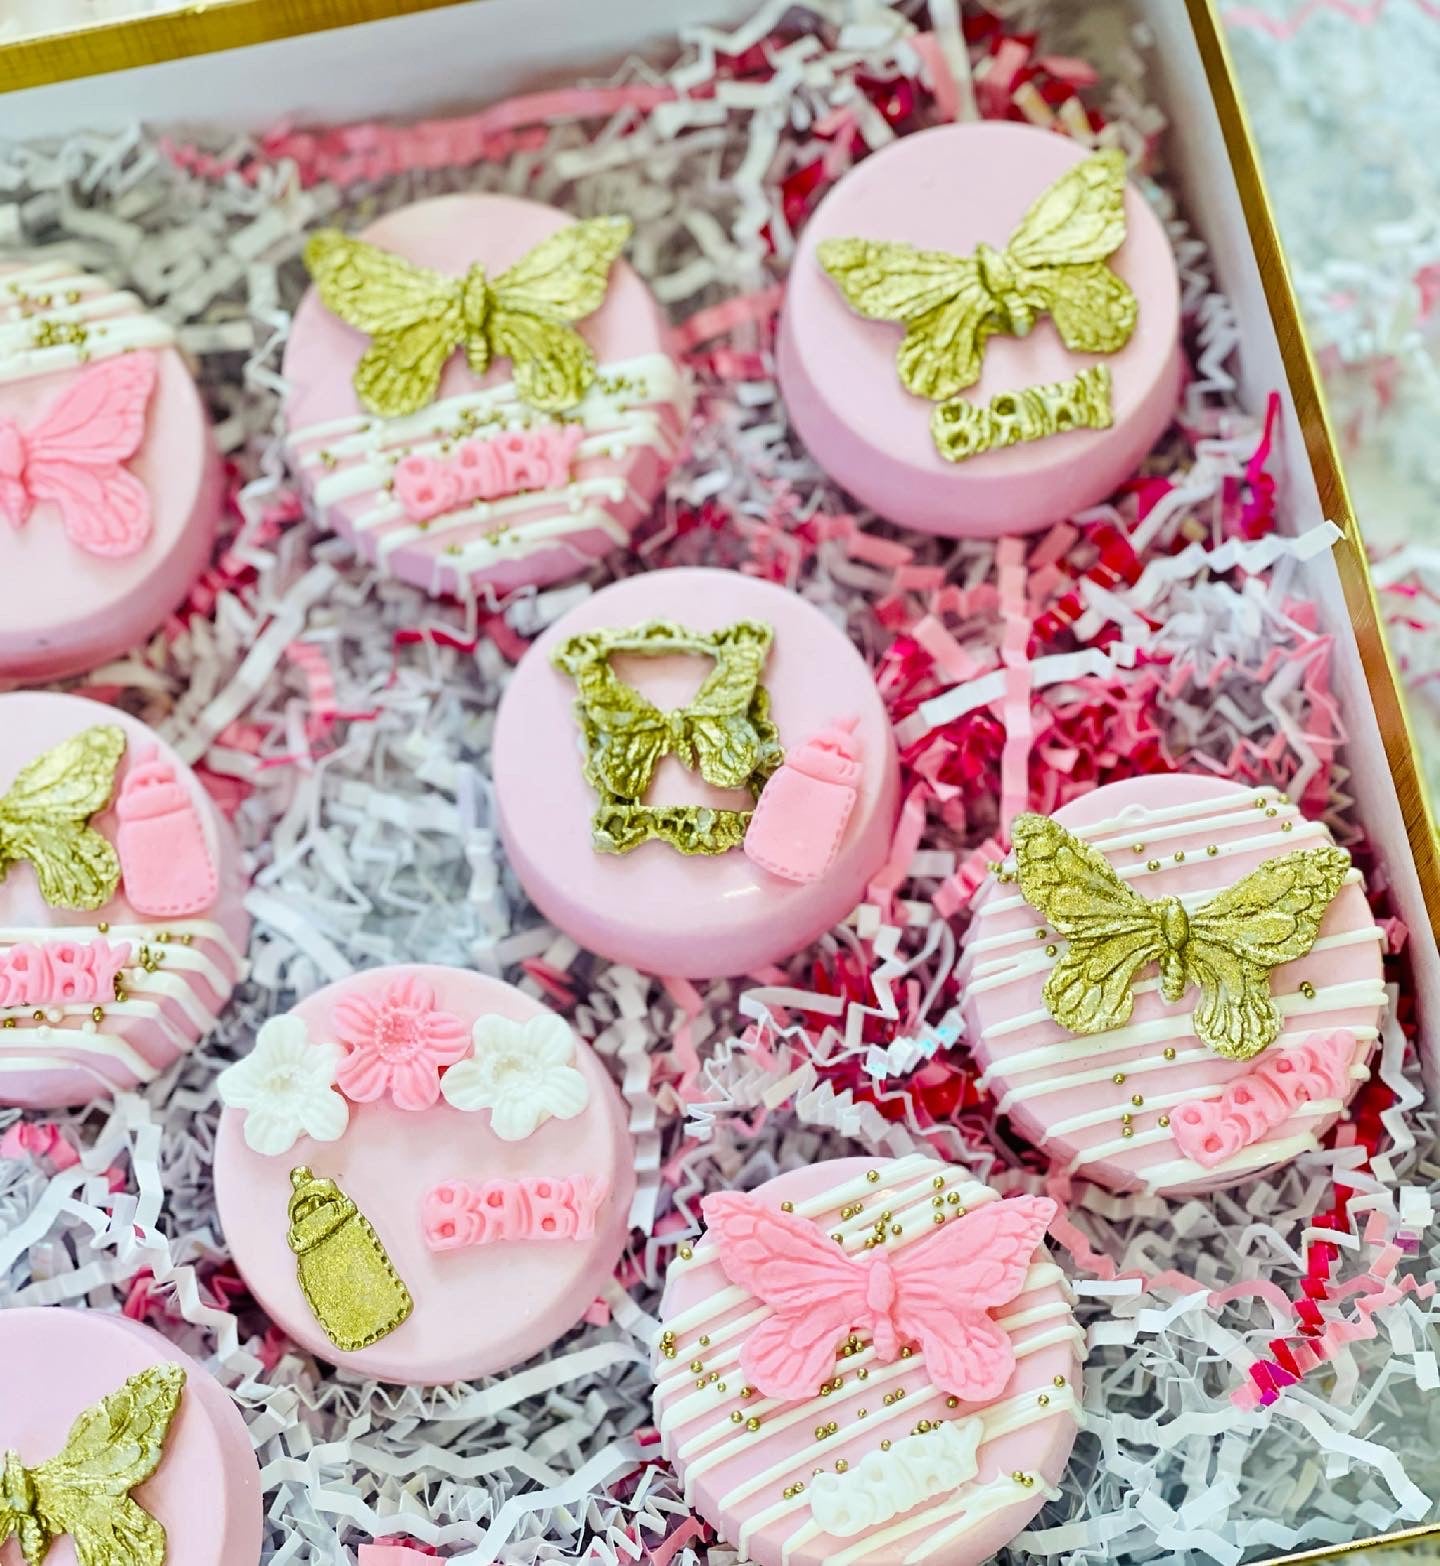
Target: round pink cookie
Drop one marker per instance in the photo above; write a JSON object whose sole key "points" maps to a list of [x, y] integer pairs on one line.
{"points": [[502, 1219], [882, 1461], [1148, 1105], [951, 189], [171, 938], [110, 484], [599, 466], [205, 1492], [699, 915]]}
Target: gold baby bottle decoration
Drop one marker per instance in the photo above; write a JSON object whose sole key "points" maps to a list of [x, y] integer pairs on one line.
{"points": [[345, 1274]]}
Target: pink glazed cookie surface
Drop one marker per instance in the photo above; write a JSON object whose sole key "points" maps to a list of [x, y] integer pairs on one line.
{"points": [[103, 998], [951, 189], [110, 484], [479, 1139], [1148, 1105], [605, 460], [880, 1461], [205, 1492], [697, 915]]}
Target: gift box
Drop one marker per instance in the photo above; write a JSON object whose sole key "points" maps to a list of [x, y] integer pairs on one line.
{"points": [[242, 69]]}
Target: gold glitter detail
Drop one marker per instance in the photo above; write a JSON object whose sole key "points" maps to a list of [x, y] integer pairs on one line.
{"points": [[1227, 947]]}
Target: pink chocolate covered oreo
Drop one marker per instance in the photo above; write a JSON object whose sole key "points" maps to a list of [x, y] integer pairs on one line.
{"points": [[1174, 984], [868, 1364], [168, 1468], [980, 332], [422, 1174], [110, 485], [522, 423], [694, 773], [124, 928]]}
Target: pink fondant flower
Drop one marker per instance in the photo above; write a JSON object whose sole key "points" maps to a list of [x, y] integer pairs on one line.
{"points": [[397, 1042]]}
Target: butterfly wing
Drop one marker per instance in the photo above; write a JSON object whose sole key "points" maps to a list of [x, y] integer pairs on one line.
{"points": [[816, 1293], [105, 510], [112, 1447], [947, 1282], [413, 314], [562, 279], [1112, 931], [723, 739], [44, 817], [1060, 248], [1272, 916], [941, 300]]}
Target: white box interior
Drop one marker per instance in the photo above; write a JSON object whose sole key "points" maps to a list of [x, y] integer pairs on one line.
{"points": [[463, 57]]}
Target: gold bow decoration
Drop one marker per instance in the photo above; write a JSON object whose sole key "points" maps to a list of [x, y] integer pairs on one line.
{"points": [[418, 317], [45, 818], [950, 306], [724, 733], [85, 1491], [1227, 947]]}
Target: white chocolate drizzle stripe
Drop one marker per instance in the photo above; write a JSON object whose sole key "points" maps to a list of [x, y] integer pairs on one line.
{"points": [[1188, 900], [1137, 819], [1156, 1102], [1001, 971], [1147, 1066], [137, 934], [496, 532], [1334, 997], [661, 382], [63, 1040]]}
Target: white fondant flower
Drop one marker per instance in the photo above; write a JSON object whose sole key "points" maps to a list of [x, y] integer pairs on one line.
{"points": [[521, 1072], [285, 1085]]}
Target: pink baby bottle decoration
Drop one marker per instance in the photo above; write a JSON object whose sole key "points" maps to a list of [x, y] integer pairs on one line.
{"points": [[164, 857], [801, 816]]}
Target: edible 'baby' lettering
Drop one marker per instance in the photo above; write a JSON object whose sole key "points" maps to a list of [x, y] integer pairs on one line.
{"points": [[964, 429], [61, 973], [885, 1483], [486, 469], [457, 1213]]}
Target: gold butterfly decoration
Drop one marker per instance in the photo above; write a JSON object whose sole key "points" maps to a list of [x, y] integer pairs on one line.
{"points": [[951, 305], [418, 318], [1227, 946], [85, 1491], [45, 818]]}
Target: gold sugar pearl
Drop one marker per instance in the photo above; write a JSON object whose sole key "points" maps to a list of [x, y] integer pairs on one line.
{"points": [[103, 927], [923, 1428], [1043, 1400], [696, 1366], [97, 1014], [1138, 848], [1118, 1079], [737, 1418], [1041, 933], [841, 1466], [1052, 950], [937, 1218], [884, 1446], [1127, 1130], [952, 1402], [686, 1253], [1169, 1052], [1260, 804], [787, 1207], [1059, 1381], [896, 1230], [747, 1391], [713, 1376], [1212, 849], [1136, 1099], [700, 1383], [752, 1423], [1307, 990], [838, 1238], [938, 1182], [872, 1175], [862, 1374], [705, 1342], [862, 1413], [906, 1352], [1152, 864], [1163, 1122], [1179, 856], [1272, 812], [953, 1198]]}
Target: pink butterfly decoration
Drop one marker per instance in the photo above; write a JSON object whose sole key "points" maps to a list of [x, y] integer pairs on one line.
{"points": [[935, 1293], [71, 457]]}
